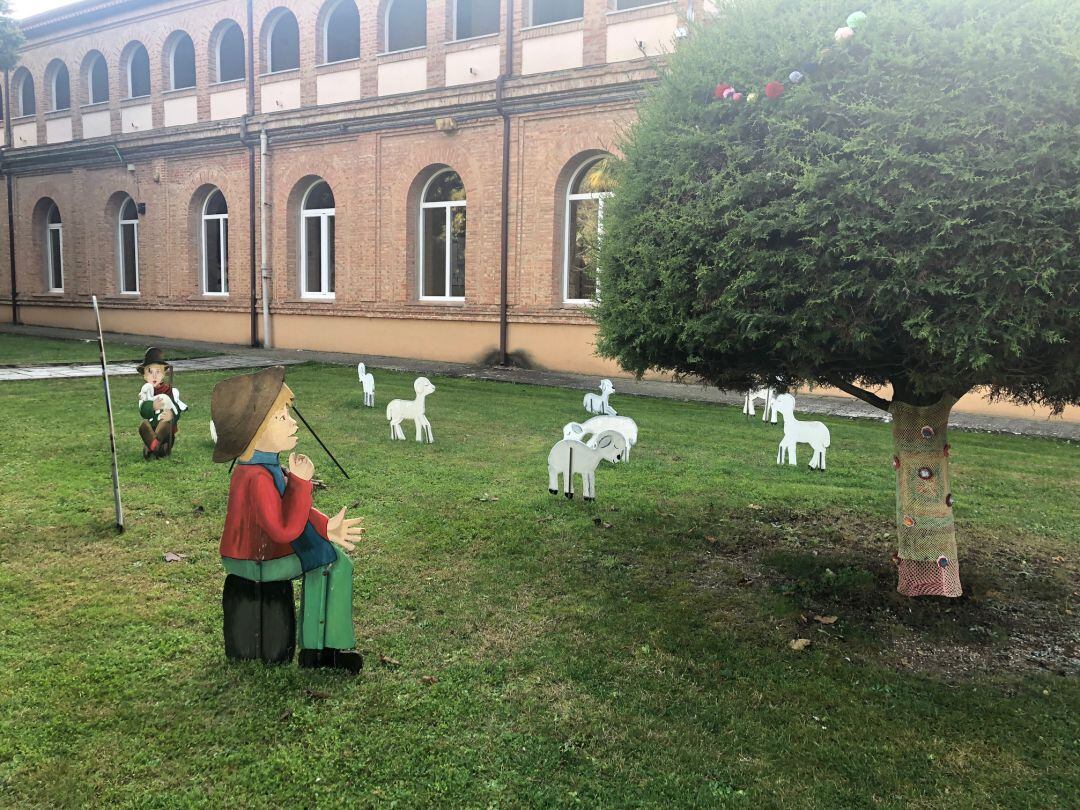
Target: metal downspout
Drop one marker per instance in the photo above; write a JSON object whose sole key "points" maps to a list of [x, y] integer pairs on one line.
{"points": [[504, 213], [251, 170], [10, 202], [265, 268]]}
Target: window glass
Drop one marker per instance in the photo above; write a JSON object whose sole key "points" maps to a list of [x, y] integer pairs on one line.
{"points": [[62, 89], [406, 25], [231, 62], [285, 44], [343, 32], [475, 18], [550, 11], [183, 66], [99, 81], [139, 73]]}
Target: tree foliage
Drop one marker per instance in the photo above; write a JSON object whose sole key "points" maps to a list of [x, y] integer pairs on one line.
{"points": [[908, 214], [11, 37]]}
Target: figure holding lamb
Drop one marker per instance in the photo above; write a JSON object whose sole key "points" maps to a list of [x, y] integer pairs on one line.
{"points": [[159, 405]]}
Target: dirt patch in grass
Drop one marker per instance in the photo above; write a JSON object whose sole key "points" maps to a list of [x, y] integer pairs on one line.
{"points": [[836, 582]]}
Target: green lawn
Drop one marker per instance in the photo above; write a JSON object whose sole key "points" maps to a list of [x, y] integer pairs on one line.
{"points": [[631, 652], [24, 350]]}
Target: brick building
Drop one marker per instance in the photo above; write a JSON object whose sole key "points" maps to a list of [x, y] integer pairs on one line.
{"points": [[139, 136]]}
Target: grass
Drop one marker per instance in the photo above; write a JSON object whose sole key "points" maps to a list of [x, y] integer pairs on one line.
{"points": [[24, 350], [630, 652]]}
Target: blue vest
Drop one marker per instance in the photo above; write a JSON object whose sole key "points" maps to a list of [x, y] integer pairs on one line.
{"points": [[312, 548]]}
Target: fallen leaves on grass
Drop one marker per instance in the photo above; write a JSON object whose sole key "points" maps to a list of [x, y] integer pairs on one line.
{"points": [[601, 523], [387, 661], [710, 539], [799, 644], [826, 619], [285, 715], [429, 679], [317, 694], [485, 498], [171, 556]]}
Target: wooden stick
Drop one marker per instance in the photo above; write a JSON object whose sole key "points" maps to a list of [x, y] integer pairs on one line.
{"points": [[112, 429], [320, 441]]}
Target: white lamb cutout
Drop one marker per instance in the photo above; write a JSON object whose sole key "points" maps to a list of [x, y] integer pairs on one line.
{"points": [[623, 425], [570, 457], [147, 393], [598, 403], [814, 434], [368, 382], [400, 409], [767, 394]]}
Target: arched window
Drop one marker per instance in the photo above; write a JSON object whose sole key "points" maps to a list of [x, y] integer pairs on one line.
{"points": [[341, 32], [138, 72], [584, 225], [623, 5], [475, 18], [283, 43], [97, 79], [128, 247], [24, 90], [215, 245], [229, 54], [544, 12], [317, 242], [61, 87], [405, 24], [182, 63], [442, 237], [54, 249]]}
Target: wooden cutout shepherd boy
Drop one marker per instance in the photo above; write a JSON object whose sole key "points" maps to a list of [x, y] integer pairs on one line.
{"points": [[159, 405], [272, 533]]}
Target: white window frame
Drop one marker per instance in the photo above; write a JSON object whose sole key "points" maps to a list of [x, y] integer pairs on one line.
{"points": [[456, 38], [130, 84], [569, 230], [50, 259], [217, 54], [322, 214], [326, 34], [448, 206], [120, 246], [223, 245], [55, 76], [270, 40], [172, 63], [533, 24], [95, 61]]}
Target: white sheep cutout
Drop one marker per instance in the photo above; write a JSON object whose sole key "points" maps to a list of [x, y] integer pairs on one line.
{"points": [[400, 409], [814, 434], [598, 403], [368, 383], [623, 425], [570, 457], [767, 394]]}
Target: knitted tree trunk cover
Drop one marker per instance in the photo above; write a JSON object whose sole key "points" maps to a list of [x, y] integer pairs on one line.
{"points": [[924, 516]]}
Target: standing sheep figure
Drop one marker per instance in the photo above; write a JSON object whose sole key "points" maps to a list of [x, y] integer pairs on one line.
{"points": [[400, 409], [814, 434], [570, 457], [767, 394], [598, 403], [623, 425], [368, 382]]}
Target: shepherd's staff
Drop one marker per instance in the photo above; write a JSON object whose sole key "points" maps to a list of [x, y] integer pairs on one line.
{"points": [[320, 441], [112, 430]]}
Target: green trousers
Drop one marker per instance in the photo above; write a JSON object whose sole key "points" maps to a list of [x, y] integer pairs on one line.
{"points": [[326, 612]]}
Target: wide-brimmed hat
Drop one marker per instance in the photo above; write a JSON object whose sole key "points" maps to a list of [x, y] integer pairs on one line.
{"points": [[153, 356], [239, 405]]}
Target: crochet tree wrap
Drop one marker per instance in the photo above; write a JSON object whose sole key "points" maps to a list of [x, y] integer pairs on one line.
{"points": [[924, 515]]}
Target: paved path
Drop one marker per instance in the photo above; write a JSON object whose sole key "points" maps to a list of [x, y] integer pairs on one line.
{"points": [[13, 373], [235, 356]]}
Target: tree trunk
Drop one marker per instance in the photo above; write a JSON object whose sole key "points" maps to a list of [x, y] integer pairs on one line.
{"points": [[924, 518]]}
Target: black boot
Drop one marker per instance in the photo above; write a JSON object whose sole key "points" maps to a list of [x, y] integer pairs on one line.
{"points": [[309, 659]]}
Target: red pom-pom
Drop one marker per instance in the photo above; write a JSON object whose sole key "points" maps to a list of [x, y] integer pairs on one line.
{"points": [[737, 97], [774, 90], [719, 91]]}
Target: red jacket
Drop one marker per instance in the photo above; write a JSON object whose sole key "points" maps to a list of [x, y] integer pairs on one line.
{"points": [[260, 524]]}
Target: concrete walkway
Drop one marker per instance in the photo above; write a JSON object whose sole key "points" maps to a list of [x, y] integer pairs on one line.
{"points": [[247, 357], [13, 373]]}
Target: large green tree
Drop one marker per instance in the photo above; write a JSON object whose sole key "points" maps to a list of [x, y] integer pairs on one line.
{"points": [[905, 218], [11, 37]]}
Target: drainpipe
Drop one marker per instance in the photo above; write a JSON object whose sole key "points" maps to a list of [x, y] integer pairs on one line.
{"points": [[504, 236], [10, 202], [263, 205], [251, 169]]}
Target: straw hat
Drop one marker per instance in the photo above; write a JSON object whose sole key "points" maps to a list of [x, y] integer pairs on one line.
{"points": [[238, 407]]}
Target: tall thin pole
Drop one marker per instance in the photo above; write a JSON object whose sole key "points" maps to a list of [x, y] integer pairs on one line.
{"points": [[112, 429]]}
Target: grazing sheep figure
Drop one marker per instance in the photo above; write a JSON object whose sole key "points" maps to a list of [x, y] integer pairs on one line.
{"points": [[368, 382], [570, 457], [400, 409], [623, 425], [814, 434], [767, 394], [598, 403]]}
